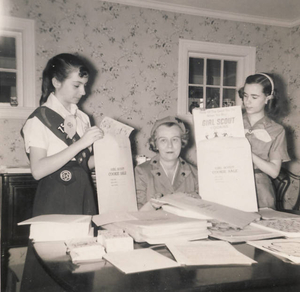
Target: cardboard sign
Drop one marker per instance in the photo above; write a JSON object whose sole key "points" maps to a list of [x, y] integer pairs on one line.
{"points": [[114, 168], [225, 169]]}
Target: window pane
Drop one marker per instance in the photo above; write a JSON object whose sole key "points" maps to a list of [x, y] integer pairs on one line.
{"points": [[195, 97], [213, 72], [7, 86], [196, 71], [229, 73], [8, 52], [212, 97], [228, 97]]}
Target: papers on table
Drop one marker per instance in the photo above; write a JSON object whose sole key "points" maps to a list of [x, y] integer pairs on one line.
{"points": [[112, 217], [156, 227], [224, 231], [140, 260], [114, 168], [234, 217], [288, 227], [57, 227], [85, 250], [268, 213], [200, 253], [286, 248], [225, 169]]}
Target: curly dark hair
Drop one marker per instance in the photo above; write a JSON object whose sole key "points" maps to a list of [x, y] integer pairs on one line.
{"points": [[60, 67]]}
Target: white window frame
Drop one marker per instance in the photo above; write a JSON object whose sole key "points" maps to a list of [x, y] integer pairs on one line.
{"points": [[244, 55], [23, 31]]}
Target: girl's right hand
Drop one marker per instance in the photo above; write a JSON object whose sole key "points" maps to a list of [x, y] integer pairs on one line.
{"points": [[91, 135]]}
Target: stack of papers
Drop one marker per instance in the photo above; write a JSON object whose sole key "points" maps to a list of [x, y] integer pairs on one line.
{"points": [[85, 250], [182, 202], [157, 227], [56, 227]]}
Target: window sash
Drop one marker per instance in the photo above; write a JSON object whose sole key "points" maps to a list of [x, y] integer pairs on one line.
{"points": [[23, 29], [244, 55]]}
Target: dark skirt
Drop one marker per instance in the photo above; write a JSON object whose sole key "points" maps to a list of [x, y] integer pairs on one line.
{"points": [[66, 191]]}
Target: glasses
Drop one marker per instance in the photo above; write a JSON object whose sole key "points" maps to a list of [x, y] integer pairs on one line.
{"points": [[165, 141]]}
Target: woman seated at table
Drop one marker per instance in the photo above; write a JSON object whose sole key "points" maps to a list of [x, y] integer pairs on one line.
{"points": [[166, 173]]}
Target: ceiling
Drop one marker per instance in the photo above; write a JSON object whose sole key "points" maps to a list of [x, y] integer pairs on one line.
{"points": [[284, 13]]}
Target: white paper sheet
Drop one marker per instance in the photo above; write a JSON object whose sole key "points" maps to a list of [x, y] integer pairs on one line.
{"points": [[139, 260], [200, 253], [286, 248]]}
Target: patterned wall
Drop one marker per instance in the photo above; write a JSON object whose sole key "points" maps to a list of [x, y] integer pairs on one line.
{"points": [[134, 55]]}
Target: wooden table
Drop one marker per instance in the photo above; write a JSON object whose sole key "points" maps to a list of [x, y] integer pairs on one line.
{"points": [[269, 274]]}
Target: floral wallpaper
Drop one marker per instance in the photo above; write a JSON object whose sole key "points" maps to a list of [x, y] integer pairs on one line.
{"points": [[133, 53]]}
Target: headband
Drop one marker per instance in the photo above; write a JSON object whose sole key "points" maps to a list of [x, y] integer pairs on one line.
{"points": [[271, 81]]}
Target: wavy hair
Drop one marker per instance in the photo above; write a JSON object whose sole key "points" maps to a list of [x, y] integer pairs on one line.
{"points": [[60, 67]]}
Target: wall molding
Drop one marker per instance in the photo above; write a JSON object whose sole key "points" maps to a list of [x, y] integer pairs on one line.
{"points": [[172, 7]]}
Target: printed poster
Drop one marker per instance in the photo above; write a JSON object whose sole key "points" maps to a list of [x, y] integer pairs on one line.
{"points": [[114, 168], [224, 160]]}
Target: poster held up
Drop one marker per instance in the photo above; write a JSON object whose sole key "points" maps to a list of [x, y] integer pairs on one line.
{"points": [[225, 169], [114, 168]]}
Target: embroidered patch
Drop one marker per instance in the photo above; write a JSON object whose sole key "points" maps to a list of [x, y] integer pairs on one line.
{"points": [[66, 175]]}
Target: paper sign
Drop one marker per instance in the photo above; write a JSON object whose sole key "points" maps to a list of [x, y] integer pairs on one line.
{"points": [[114, 168], [218, 123], [225, 168]]}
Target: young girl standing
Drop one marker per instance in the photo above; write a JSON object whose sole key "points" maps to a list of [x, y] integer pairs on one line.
{"points": [[58, 139], [267, 138]]}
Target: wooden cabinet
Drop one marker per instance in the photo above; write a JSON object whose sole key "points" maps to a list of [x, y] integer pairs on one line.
{"points": [[18, 191], [17, 195]]}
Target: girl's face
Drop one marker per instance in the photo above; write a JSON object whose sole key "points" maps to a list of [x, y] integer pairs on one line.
{"points": [[71, 90], [168, 142], [254, 98]]}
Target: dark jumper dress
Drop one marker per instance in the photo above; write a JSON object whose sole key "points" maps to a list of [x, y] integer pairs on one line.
{"points": [[69, 190]]}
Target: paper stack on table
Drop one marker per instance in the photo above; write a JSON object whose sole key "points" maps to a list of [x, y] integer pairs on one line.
{"points": [[207, 209], [55, 227], [85, 250], [156, 227]]}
